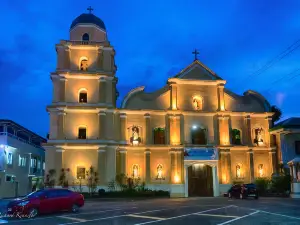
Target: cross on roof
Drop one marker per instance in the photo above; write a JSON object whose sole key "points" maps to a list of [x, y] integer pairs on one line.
{"points": [[195, 53], [90, 9]]}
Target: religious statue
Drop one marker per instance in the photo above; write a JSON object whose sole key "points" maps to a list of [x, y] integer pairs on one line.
{"points": [[238, 171], [197, 103], [135, 171], [159, 171], [84, 65], [260, 170], [135, 138], [258, 140]]}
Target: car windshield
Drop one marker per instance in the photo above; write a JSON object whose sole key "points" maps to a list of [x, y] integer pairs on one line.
{"points": [[35, 194]]}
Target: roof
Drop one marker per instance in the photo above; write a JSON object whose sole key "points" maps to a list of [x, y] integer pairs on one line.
{"points": [[293, 122], [88, 18]]}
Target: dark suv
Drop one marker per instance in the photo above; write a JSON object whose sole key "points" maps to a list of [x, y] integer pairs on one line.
{"points": [[243, 191]]}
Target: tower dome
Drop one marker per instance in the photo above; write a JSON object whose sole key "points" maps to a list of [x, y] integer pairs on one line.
{"points": [[88, 18]]}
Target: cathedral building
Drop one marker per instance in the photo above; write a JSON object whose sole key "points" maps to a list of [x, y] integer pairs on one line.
{"points": [[192, 137]]}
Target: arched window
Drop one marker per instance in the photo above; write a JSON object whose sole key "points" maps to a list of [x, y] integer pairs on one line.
{"points": [[159, 136], [82, 96], [197, 102], [85, 37], [236, 137], [238, 171], [82, 133], [198, 136], [135, 171], [83, 63]]}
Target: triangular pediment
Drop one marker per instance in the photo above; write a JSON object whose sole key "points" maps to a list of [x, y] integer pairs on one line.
{"points": [[197, 71]]}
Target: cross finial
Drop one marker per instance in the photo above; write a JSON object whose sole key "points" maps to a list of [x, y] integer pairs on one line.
{"points": [[90, 9], [195, 53]]}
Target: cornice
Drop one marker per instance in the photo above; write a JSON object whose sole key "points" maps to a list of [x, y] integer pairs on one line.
{"points": [[197, 82]]}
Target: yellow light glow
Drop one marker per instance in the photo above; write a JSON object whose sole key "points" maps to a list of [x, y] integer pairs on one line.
{"points": [[135, 142], [224, 178], [174, 105], [222, 107], [176, 178]]}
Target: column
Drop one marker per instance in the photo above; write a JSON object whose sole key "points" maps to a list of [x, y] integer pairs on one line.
{"points": [[62, 89], [251, 165], [273, 161], [215, 181], [102, 166], [147, 166], [221, 97], [101, 124], [228, 164], [123, 161], [186, 181], [100, 59], [179, 165], [123, 127], [173, 167], [173, 96], [60, 125], [222, 173], [174, 129], [148, 133], [224, 130], [167, 122], [102, 90], [58, 161], [247, 131]]}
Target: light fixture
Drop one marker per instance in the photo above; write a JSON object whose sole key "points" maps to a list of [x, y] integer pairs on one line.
{"points": [[176, 178], [194, 127]]}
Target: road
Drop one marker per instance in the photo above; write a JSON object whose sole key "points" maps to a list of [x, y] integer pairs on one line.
{"points": [[186, 211]]}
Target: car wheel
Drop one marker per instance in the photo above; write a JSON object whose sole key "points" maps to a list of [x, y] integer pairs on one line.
{"points": [[241, 196], [75, 208], [33, 212]]}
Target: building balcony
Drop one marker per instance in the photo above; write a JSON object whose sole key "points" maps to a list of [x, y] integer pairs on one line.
{"points": [[20, 139]]}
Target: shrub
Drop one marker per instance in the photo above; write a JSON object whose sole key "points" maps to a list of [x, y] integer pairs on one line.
{"points": [[262, 185], [281, 184]]}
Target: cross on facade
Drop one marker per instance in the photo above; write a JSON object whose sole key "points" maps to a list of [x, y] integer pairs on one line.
{"points": [[90, 9], [195, 53]]}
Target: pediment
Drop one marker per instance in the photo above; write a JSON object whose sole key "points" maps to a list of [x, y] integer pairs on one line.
{"points": [[197, 71]]}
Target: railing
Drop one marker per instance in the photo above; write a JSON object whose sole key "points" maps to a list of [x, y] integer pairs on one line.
{"points": [[20, 139], [105, 43]]}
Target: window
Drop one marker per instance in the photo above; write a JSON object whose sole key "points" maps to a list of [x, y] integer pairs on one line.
{"points": [[33, 163], [22, 161], [82, 133], [10, 178], [9, 158], [63, 193], [83, 96], [297, 147], [159, 136], [198, 136], [236, 137], [85, 37], [80, 173]]}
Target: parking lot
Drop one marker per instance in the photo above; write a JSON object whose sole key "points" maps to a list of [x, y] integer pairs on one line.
{"points": [[212, 211]]}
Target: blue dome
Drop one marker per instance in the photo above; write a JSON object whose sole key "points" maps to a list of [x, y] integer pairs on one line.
{"points": [[88, 18]]}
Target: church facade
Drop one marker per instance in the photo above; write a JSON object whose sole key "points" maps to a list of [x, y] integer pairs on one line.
{"points": [[192, 137]]}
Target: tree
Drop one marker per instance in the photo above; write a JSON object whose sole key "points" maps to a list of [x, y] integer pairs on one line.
{"points": [[92, 180], [50, 178], [277, 114]]}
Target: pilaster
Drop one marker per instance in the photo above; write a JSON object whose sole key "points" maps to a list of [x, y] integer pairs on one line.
{"points": [[173, 166], [60, 125], [221, 106], [174, 129], [102, 90], [225, 167], [102, 166], [148, 133], [62, 89], [123, 161], [251, 165], [173, 96], [123, 127], [100, 59], [224, 137], [247, 131], [67, 59], [273, 161], [101, 124], [58, 160], [147, 166]]}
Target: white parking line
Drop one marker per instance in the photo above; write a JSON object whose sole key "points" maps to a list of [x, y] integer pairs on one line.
{"points": [[229, 221], [72, 218], [205, 214], [146, 217], [185, 215], [278, 214]]}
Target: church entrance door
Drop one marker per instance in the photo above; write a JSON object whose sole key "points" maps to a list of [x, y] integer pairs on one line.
{"points": [[200, 180]]}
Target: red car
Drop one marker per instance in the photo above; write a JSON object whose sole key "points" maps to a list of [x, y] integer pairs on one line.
{"points": [[45, 201]]}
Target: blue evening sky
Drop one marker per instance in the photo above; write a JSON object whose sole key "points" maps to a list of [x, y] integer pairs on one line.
{"points": [[153, 40]]}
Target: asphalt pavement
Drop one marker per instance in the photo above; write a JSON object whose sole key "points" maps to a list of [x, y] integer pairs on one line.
{"points": [[186, 211]]}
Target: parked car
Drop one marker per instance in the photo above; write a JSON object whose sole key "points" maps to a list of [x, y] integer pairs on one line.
{"points": [[243, 191], [44, 202]]}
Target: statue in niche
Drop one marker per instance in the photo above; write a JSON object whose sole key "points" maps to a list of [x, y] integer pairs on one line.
{"points": [[84, 65], [135, 171], [135, 138], [238, 171], [260, 170], [159, 171], [258, 140], [197, 103]]}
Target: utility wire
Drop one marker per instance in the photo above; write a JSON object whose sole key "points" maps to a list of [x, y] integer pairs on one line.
{"points": [[284, 77]]}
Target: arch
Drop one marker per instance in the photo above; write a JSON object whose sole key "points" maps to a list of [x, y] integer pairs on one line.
{"points": [[82, 132], [83, 63], [159, 135], [135, 171], [85, 37], [82, 95], [197, 102], [130, 94], [200, 180], [236, 138], [198, 135]]}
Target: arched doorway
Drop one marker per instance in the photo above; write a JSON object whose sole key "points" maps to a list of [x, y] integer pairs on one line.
{"points": [[200, 180]]}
